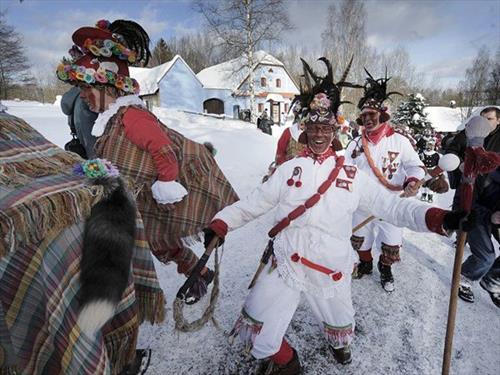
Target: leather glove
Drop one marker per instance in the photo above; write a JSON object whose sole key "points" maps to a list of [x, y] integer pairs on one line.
{"points": [[459, 220], [438, 185], [209, 236]]}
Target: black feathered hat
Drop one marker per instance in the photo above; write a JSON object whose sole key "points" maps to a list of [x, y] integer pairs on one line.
{"points": [[375, 93]]}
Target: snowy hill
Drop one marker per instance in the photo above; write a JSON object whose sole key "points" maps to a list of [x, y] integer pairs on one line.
{"points": [[401, 333]]}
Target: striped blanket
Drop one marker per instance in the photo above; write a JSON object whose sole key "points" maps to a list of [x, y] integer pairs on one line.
{"points": [[41, 225]]}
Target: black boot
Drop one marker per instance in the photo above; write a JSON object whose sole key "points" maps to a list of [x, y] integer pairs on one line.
{"points": [[140, 363], [492, 287], [386, 278], [291, 368], [199, 288], [465, 289], [342, 355], [363, 268]]}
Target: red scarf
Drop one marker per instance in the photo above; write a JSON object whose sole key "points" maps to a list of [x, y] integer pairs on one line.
{"points": [[375, 136]]}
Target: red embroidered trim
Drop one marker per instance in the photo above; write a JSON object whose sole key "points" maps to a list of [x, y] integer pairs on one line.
{"points": [[336, 276], [307, 153], [374, 169], [343, 184], [219, 227], [350, 171]]}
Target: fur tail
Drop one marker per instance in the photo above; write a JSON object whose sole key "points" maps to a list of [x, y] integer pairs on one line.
{"points": [[108, 243]]}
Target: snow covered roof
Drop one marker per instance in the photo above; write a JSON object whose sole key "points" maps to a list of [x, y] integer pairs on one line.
{"points": [[149, 78], [230, 74], [445, 119]]}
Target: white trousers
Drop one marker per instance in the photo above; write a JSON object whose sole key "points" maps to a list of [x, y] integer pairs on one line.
{"points": [[377, 232], [269, 309]]}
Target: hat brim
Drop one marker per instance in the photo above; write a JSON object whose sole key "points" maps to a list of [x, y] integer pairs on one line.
{"points": [[80, 35]]}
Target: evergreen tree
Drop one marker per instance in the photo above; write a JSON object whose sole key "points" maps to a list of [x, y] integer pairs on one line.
{"points": [[411, 113], [161, 53]]}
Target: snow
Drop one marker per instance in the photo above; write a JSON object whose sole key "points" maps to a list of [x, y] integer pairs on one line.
{"points": [[444, 119], [398, 333], [230, 74]]}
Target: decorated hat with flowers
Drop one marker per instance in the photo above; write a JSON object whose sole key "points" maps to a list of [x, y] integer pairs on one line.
{"points": [[375, 94], [320, 97], [101, 55]]}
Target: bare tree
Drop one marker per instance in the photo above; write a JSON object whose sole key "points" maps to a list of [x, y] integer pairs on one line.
{"points": [[242, 25], [12, 59], [473, 87], [493, 84], [161, 53]]}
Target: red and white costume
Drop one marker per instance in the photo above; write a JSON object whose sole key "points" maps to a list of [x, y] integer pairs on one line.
{"points": [[394, 156], [313, 254]]}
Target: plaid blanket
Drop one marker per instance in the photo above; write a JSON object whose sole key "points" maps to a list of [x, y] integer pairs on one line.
{"points": [[208, 189], [41, 224]]}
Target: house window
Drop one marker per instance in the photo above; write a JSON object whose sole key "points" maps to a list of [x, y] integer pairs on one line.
{"points": [[286, 107], [278, 82], [261, 107], [263, 82]]}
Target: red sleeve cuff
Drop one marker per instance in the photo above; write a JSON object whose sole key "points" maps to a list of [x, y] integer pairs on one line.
{"points": [[219, 227], [434, 220], [410, 179]]}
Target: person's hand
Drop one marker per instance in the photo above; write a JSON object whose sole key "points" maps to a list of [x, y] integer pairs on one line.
{"points": [[438, 185], [411, 189], [459, 220], [495, 218], [209, 236]]}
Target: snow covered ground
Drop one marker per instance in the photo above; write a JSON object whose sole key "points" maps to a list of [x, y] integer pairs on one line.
{"points": [[400, 333]]}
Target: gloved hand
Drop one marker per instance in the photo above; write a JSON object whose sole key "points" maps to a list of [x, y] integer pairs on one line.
{"points": [[438, 185], [209, 236], [165, 192], [459, 220]]}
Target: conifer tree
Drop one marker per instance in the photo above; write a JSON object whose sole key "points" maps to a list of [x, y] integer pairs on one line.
{"points": [[411, 113]]}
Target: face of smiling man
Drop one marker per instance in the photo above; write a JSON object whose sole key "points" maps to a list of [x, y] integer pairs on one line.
{"points": [[319, 137]]}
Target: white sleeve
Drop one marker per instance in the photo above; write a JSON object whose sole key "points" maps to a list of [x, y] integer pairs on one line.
{"points": [[412, 164], [258, 202], [402, 212]]}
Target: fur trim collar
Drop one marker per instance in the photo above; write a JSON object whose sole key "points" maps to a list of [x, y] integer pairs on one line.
{"points": [[104, 117]]}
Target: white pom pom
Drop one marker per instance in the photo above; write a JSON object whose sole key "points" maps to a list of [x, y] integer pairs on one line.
{"points": [[449, 162], [476, 130]]}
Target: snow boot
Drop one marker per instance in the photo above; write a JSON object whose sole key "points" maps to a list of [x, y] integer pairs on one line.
{"points": [[140, 364], [423, 197], [291, 368], [465, 289], [342, 355], [386, 278], [493, 289], [199, 288], [430, 198], [363, 268]]}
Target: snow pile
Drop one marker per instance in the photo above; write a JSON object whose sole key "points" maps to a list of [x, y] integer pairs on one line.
{"points": [[398, 333]]}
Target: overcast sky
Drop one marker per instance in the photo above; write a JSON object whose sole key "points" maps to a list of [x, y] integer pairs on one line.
{"points": [[442, 36]]}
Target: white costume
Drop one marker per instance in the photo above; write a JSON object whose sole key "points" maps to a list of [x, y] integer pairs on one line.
{"points": [[313, 253], [396, 158]]}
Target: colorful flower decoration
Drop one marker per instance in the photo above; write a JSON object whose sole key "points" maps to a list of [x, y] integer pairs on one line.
{"points": [[108, 47], [96, 168], [72, 73]]}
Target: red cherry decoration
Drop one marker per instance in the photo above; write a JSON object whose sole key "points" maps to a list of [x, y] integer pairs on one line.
{"points": [[289, 182], [298, 184]]}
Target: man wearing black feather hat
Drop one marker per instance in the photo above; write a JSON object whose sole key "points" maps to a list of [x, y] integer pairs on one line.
{"points": [[388, 157], [314, 196]]}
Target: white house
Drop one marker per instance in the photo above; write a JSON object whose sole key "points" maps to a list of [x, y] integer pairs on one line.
{"points": [[226, 87], [171, 85]]}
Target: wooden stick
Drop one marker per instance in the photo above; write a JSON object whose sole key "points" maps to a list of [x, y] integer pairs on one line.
{"points": [[452, 308], [363, 223]]}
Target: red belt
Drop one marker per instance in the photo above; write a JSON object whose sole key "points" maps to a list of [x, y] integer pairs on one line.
{"points": [[336, 276]]}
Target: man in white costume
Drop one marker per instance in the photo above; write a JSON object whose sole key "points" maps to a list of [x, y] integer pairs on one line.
{"points": [[387, 156], [315, 195]]}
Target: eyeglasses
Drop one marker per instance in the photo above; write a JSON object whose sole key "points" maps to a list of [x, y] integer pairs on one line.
{"points": [[319, 128]]}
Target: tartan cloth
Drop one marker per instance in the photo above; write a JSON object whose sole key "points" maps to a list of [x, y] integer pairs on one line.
{"points": [[39, 286], [208, 189], [42, 212], [25, 154]]}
